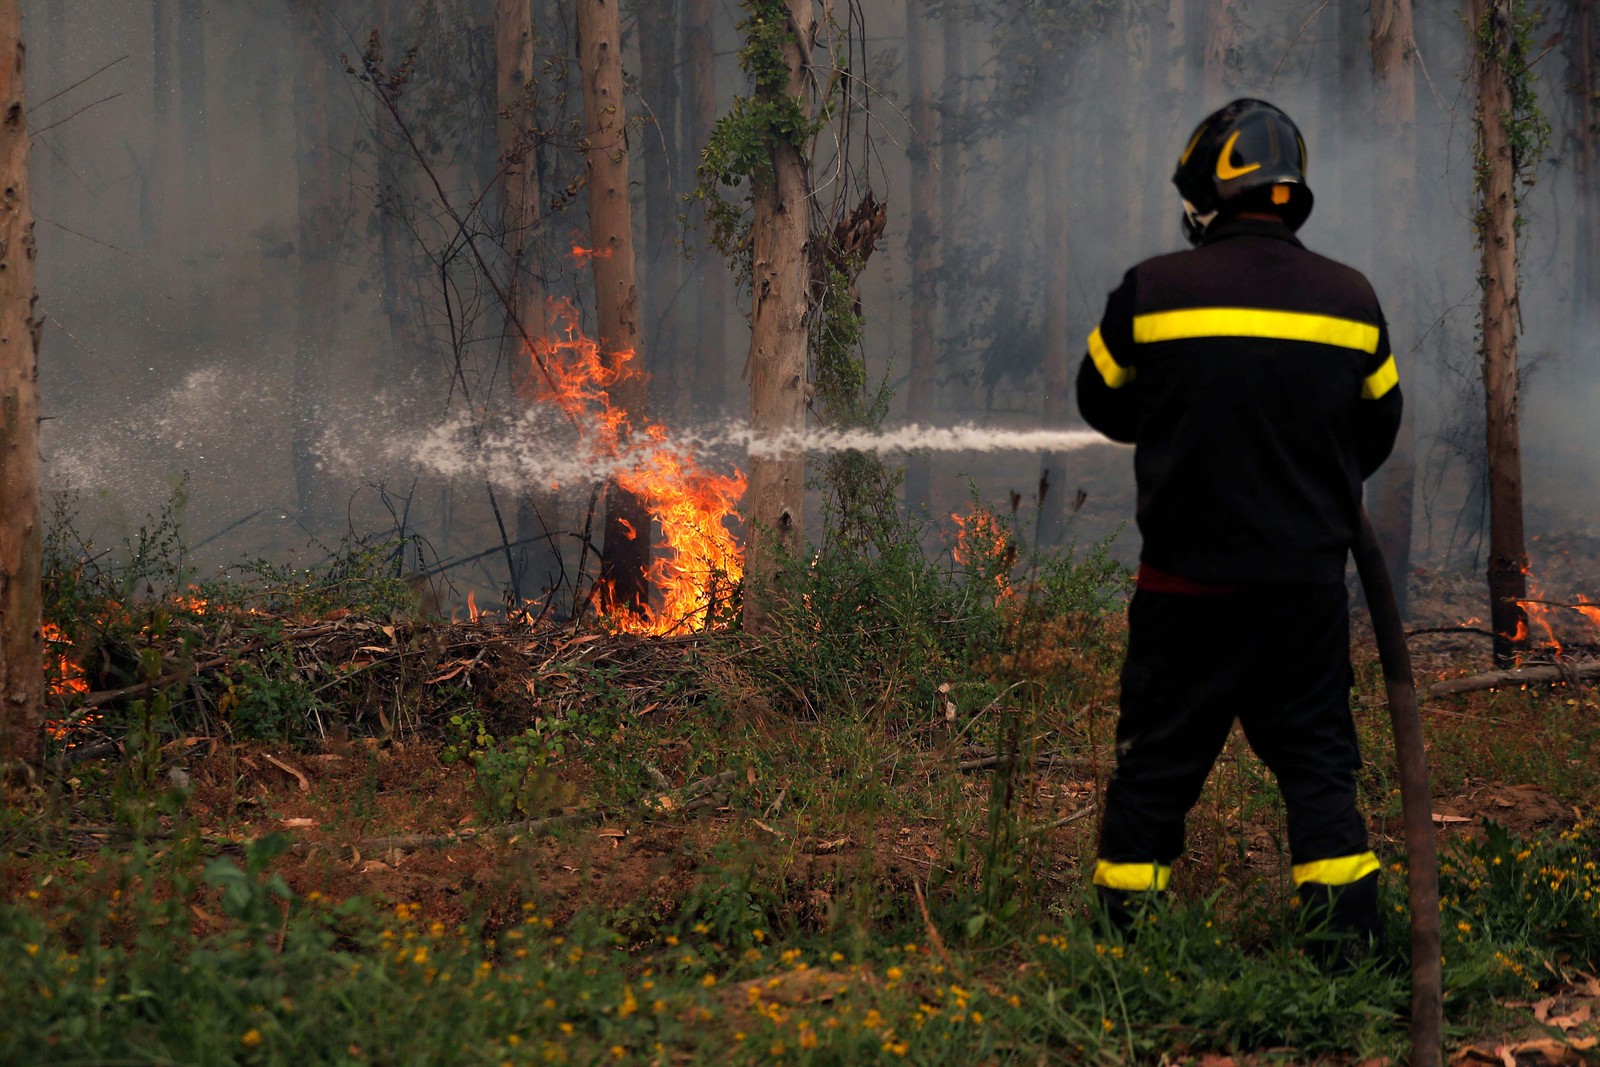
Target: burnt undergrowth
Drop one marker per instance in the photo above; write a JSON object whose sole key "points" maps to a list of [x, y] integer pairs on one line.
{"points": [[859, 837]]}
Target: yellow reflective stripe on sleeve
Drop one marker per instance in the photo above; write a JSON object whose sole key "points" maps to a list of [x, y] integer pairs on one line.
{"points": [[1381, 380], [1114, 373], [1193, 323], [1131, 877], [1341, 870]]}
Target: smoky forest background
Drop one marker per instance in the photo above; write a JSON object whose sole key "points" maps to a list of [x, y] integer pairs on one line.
{"points": [[277, 241]]}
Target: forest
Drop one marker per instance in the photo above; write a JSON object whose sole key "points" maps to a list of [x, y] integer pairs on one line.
{"points": [[562, 531]]}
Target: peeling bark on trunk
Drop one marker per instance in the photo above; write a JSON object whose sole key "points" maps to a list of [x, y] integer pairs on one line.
{"points": [[316, 289], [958, 61], [626, 553], [1394, 50], [21, 645], [1219, 40], [1059, 349], [406, 366], [536, 565], [711, 371], [1180, 121], [775, 500], [1583, 60], [193, 21], [663, 268], [920, 389], [1508, 555]]}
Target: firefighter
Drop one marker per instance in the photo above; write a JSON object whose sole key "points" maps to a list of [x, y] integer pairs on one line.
{"points": [[1255, 380]]}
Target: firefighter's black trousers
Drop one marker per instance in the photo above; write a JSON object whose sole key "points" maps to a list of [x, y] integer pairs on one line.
{"points": [[1277, 658]]}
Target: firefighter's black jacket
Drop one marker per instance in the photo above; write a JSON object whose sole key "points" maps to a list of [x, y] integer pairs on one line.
{"points": [[1256, 380]]}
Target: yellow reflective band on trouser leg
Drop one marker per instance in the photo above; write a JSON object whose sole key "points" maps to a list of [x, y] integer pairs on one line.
{"points": [[1131, 877], [1380, 381], [1341, 870], [1114, 373]]}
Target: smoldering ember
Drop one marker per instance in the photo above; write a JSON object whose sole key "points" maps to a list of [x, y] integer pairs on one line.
{"points": [[776, 531]]}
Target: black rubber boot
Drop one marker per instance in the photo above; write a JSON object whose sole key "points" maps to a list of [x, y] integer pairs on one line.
{"points": [[1341, 922], [1119, 911]]}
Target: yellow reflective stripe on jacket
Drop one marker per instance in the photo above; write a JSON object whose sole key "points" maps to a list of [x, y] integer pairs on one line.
{"points": [[1114, 373], [1193, 323], [1131, 877], [1341, 870], [1381, 380]]}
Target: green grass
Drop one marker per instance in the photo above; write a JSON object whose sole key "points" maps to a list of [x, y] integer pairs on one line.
{"points": [[109, 968]]}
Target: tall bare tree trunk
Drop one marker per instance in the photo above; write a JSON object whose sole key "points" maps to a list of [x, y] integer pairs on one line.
{"points": [[1394, 75], [21, 644], [711, 364], [1219, 41], [1508, 555], [775, 500], [921, 388], [663, 267], [626, 553], [1060, 348], [406, 349], [157, 229], [536, 566], [958, 62], [193, 22], [316, 290], [1178, 112], [1583, 63]]}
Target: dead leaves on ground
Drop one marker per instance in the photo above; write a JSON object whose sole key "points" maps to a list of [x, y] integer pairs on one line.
{"points": [[1570, 1024]]}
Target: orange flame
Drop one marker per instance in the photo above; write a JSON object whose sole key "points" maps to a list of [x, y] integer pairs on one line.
{"points": [[65, 676], [65, 679], [701, 561], [581, 253], [981, 538], [1588, 609], [1539, 614]]}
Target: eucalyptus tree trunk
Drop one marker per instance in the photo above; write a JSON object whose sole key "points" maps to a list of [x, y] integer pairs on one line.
{"points": [[663, 267], [921, 389], [1060, 348], [1491, 26], [317, 282], [1394, 76], [1583, 64], [953, 153], [780, 279], [21, 644], [1219, 40], [1180, 110], [155, 228], [406, 367], [536, 566], [194, 20], [711, 373], [626, 553]]}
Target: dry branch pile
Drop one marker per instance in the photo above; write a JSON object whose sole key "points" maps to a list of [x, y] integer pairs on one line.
{"points": [[373, 677]]}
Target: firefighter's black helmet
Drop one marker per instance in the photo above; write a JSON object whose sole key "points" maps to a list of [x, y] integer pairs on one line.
{"points": [[1247, 155]]}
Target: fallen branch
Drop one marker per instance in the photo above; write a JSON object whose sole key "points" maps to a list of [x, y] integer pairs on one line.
{"points": [[1068, 820], [692, 797], [1044, 759], [1573, 672]]}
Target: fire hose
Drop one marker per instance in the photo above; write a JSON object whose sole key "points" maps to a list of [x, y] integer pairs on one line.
{"points": [[1422, 856]]}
